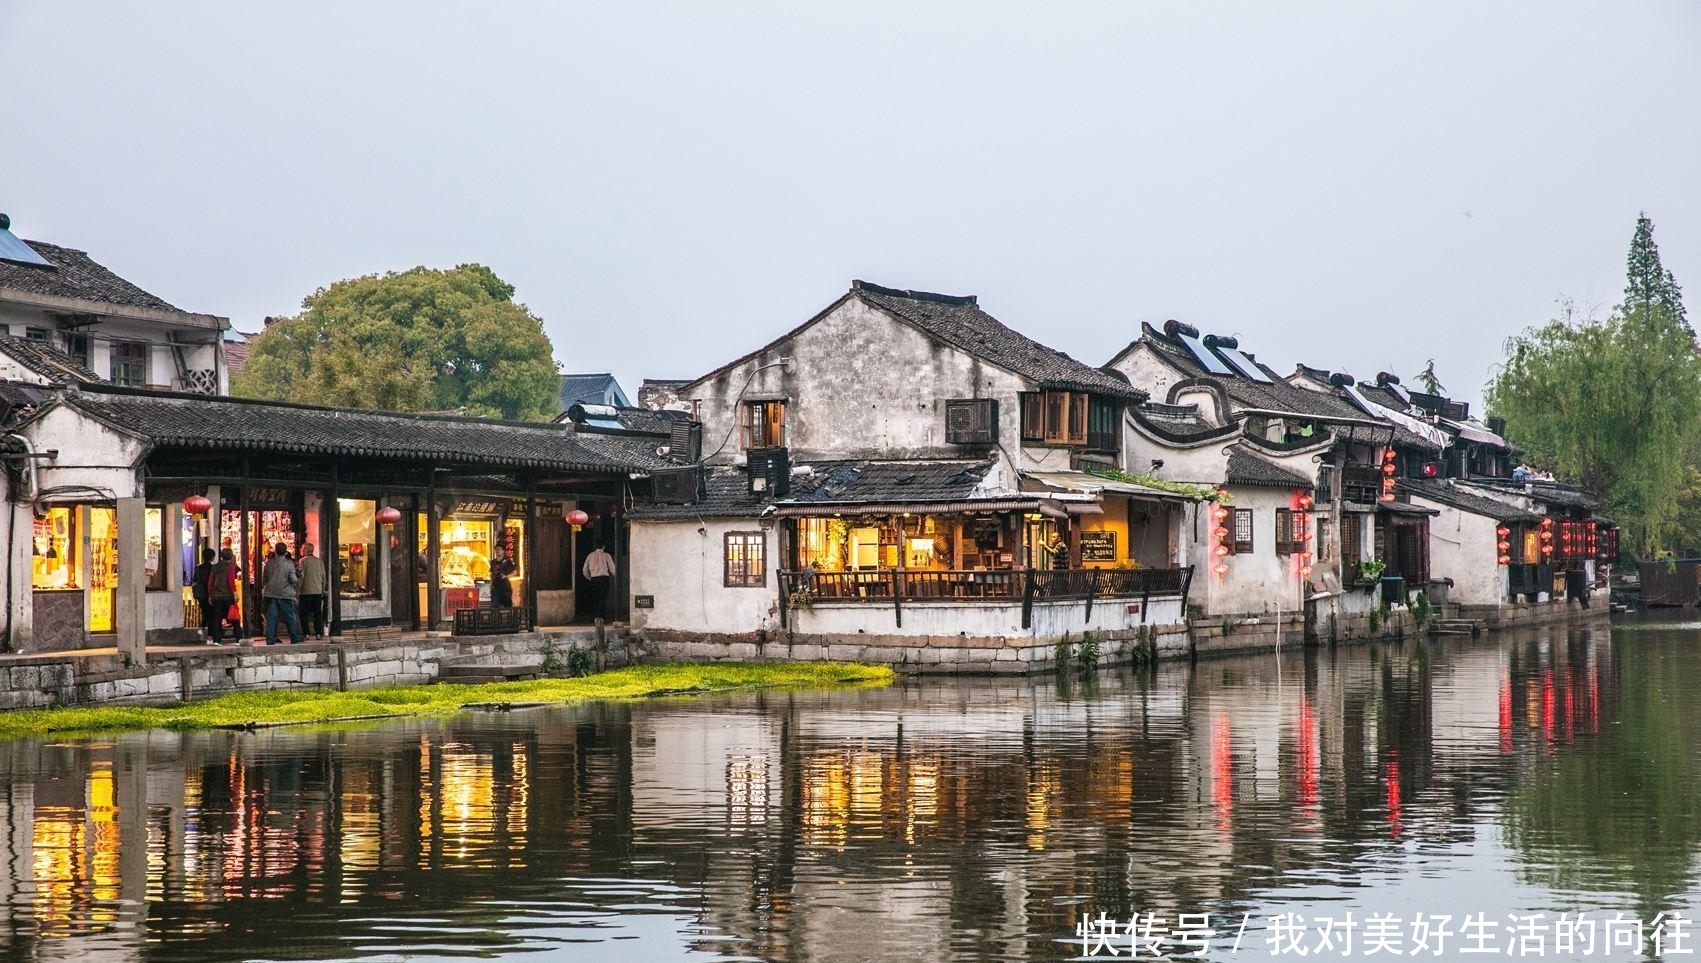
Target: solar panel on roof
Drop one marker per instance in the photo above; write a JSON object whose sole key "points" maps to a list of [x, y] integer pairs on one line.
{"points": [[1247, 366], [12, 249], [1203, 355]]}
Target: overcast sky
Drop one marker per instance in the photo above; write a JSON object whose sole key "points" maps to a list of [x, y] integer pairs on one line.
{"points": [[1359, 186]]}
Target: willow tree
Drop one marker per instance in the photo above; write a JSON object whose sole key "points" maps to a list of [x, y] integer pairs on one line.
{"points": [[1612, 403], [417, 340]]}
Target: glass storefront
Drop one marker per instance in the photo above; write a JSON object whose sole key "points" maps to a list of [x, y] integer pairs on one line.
{"points": [[53, 554], [918, 542], [357, 549]]}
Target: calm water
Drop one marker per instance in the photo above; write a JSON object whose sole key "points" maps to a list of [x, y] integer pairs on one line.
{"points": [[1536, 773]]}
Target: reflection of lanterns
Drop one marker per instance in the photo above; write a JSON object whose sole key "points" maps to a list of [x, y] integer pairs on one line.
{"points": [[388, 515], [197, 504], [576, 518]]}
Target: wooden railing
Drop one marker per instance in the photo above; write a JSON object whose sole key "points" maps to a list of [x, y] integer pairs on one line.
{"points": [[806, 587]]}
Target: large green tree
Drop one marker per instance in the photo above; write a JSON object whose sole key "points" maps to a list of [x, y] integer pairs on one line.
{"points": [[1613, 403], [417, 340]]}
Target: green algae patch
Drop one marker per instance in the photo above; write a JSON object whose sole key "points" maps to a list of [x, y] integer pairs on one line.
{"points": [[281, 707]]}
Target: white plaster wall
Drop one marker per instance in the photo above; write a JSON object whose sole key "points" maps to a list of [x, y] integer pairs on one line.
{"points": [[982, 619], [861, 384], [685, 571], [164, 609], [1147, 371], [1258, 582], [1462, 548], [90, 454]]}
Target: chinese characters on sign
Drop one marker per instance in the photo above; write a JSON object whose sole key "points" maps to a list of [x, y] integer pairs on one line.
{"points": [[1154, 936]]}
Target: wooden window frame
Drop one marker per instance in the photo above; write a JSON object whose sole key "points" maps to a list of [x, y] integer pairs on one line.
{"points": [[1352, 549], [762, 424], [745, 542], [1286, 543], [1057, 418], [1242, 521], [123, 367], [1033, 417]]}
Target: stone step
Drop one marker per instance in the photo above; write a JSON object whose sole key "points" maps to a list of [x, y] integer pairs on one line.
{"points": [[467, 672], [1456, 627]]}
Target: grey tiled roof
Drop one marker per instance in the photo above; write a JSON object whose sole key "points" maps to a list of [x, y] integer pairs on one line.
{"points": [[1446, 493], [197, 421], [1551, 493], [75, 275], [1179, 423], [892, 481], [960, 323], [51, 363], [1250, 470], [727, 489]]}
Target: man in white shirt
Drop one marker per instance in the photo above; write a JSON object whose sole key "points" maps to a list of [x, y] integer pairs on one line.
{"points": [[599, 580]]}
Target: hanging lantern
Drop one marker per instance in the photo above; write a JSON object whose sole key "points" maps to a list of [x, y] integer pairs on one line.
{"points": [[197, 504], [1222, 550], [1547, 536], [1503, 545], [1221, 569], [1305, 502], [1505, 560], [388, 515], [1503, 531], [1221, 533], [576, 518], [1547, 548], [1219, 513]]}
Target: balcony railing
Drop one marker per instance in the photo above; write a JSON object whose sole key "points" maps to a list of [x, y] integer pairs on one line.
{"points": [[1027, 586]]}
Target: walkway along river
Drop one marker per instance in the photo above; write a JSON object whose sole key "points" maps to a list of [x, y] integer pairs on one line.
{"points": [[1539, 772]]}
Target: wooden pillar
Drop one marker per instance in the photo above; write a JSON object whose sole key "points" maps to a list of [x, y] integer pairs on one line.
{"points": [[433, 549], [130, 611], [331, 552], [530, 549]]}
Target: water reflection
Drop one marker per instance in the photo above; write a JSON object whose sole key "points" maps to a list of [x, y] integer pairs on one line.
{"points": [[943, 820]]}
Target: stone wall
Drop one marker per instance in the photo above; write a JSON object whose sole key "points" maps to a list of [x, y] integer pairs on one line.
{"points": [[46, 680]]}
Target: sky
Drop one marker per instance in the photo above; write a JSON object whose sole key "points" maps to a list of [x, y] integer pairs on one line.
{"points": [[1358, 186]]}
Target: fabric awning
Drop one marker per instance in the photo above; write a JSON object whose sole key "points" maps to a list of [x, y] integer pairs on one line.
{"points": [[1088, 483], [827, 509], [1405, 509]]}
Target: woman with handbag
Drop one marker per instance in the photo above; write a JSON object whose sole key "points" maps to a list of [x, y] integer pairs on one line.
{"points": [[221, 596]]}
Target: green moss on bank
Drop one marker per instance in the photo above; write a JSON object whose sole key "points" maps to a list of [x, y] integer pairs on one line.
{"points": [[297, 706]]}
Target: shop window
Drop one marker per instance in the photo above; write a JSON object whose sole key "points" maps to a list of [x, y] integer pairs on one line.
{"points": [[53, 559], [130, 363], [103, 567], [746, 560], [357, 549], [762, 424], [1242, 531]]}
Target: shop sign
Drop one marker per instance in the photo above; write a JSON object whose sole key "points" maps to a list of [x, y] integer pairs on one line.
{"points": [[1098, 546], [261, 498], [643, 601], [172, 494], [550, 509], [481, 506]]}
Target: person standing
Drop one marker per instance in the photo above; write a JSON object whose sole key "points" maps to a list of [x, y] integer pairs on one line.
{"points": [[221, 596], [200, 586], [312, 593], [599, 579], [501, 589], [279, 580]]}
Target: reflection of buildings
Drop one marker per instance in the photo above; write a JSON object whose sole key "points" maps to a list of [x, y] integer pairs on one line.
{"points": [[948, 819]]}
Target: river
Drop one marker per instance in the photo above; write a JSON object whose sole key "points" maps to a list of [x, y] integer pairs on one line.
{"points": [[1509, 780]]}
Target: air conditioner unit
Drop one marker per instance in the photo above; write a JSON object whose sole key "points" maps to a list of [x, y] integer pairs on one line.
{"points": [[685, 441], [677, 486], [769, 470], [971, 421]]}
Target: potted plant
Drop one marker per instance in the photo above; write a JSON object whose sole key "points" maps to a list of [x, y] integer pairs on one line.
{"points": [[1370, 572]]}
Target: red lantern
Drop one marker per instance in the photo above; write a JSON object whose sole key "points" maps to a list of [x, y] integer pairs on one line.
{"points": [[1503, 531], [1505, 560], [197, 504], [1503, 545], [388, 515], [576, 518]]}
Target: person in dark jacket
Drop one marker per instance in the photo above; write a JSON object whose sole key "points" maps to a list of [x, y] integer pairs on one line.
{"points": [[199, 585], [221, 596]]}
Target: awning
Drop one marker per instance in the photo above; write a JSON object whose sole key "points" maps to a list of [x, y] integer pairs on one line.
{"points": [[827, 509], [1088, 483], [1405, 509], [1470, 432]]}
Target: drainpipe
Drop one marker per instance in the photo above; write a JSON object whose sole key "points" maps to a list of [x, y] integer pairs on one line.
{"points": [[31, 486]]}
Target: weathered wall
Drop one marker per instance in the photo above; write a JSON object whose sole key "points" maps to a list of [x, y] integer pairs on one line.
{"points": [[685, 571], [861, 385], [1462, 548], [1257, 583]]}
